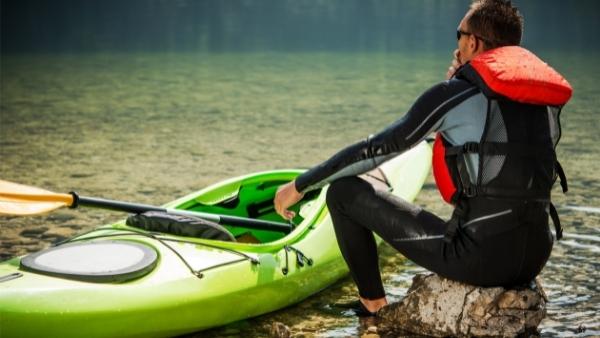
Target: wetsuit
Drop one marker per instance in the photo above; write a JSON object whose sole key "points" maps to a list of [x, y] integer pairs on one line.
{"points": [[495, 241]]}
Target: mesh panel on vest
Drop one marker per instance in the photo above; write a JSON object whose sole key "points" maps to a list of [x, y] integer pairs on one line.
{"points": [[554, 124], [496, 133]]}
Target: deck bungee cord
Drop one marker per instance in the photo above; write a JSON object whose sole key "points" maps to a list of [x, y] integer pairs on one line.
{"points": [[162, 240], [300, 259]]}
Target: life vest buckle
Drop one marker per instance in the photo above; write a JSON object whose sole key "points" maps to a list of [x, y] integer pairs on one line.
{"points": [[471, 147], [470, 191]]}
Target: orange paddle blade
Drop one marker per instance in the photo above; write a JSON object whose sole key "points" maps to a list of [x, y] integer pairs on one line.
{"points": [[22, 200]]}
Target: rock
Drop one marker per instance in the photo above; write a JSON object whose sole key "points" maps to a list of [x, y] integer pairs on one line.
{"points": [[280, 330], [436, 306], [33, 232], [231, 331], [60, 217], [372, 329], [57, 234], [72, 226], [371, 332]]}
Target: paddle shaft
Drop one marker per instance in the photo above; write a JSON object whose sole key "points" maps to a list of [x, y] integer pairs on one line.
{"points": [[141, 208]]}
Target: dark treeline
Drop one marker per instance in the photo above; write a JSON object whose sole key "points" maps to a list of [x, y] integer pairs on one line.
{"points": [[274, 25]]}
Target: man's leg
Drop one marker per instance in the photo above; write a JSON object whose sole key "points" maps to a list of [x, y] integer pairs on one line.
{"points": [[358, 210], [356, 242]]}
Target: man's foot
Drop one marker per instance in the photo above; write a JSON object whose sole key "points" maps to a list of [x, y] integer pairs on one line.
{"points": [[361, 310], [357, 307], [373, 305]]}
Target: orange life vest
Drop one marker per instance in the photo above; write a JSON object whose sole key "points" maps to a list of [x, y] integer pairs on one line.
{"points": [[511, 73]]}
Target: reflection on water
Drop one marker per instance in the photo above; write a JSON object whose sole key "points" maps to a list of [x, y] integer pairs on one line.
{"points": [[152, 127]]}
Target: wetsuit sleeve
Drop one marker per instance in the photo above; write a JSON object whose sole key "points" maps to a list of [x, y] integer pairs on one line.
{"points": [[423, 118]]}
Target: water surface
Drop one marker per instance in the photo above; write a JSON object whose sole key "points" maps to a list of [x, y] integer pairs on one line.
{"points": [[149, 127]]}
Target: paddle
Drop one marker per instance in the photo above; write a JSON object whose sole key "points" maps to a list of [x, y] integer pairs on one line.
{"points": [[21, 200]]}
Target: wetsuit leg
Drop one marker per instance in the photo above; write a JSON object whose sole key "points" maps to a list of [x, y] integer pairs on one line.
{"points": [[475, 256], [357, 210]]}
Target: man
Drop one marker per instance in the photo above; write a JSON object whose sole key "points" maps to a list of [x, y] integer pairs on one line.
{"points": [[496, 119]]}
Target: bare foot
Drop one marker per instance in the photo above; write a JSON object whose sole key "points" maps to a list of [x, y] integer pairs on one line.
{"points": [[373, 305]]}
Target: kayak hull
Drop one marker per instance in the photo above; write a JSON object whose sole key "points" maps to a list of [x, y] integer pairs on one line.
{"points": [[150, 310], [231, 281]]}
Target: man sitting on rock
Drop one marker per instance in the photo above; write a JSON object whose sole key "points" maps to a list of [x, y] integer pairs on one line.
{"points": [[496, 119]]}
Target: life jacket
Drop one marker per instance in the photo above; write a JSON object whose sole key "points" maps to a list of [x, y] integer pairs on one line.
{"points": [[516, 160]]}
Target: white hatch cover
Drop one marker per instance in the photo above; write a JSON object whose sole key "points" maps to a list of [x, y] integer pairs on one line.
{"points": [[100, 261]]}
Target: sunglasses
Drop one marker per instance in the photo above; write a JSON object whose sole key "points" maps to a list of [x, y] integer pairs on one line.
{"points": [[460, 33]]}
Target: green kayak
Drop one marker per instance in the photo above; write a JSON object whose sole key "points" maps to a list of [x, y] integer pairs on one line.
{"points": [[185, 284]]}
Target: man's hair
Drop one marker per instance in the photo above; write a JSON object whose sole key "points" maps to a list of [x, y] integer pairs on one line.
{"points": [[497, 22]]}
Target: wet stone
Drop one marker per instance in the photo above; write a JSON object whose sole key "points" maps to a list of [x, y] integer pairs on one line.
{"points": [[5, 255], [54, 238], [58, 232], [33, 232], [72, 226], [580, 329], [231, 332], [12, 242], [439, 307], [25, 249], [60, 217], [280, 330], [309, 328]]}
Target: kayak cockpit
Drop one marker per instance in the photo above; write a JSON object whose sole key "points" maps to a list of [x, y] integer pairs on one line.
{"points": [[251, 197]]}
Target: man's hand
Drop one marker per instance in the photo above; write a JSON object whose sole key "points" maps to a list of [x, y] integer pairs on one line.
{"points": [[454, 66], [286, 196]]}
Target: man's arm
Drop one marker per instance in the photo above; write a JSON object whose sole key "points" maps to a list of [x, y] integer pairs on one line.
{"points": [[425, 117], [422, 119]]}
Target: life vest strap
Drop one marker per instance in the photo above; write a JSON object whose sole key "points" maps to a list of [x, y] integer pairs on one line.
{"points": [[454, 230], [539, 195], [466, 188], [562, 176], [500, 148], [469, 190], [557, 226]]}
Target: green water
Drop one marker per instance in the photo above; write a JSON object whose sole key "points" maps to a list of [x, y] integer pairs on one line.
{"points": [[150, 127]]}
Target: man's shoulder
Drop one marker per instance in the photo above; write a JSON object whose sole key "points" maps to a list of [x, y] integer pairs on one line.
{"points": [[449, 89]]}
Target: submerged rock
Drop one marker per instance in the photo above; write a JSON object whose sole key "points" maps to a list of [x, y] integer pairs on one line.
{"points": [[280, 330], [371, 332], [439, 307], [33, 232]]}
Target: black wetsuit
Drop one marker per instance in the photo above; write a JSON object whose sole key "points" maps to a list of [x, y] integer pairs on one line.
{"points": [[500, 241]]}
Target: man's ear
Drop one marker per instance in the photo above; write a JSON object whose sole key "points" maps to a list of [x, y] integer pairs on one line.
{"points": [[477, 45], [473, 43]]}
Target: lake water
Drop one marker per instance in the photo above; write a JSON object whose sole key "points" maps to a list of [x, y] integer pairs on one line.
{"points": [[149, 127]]}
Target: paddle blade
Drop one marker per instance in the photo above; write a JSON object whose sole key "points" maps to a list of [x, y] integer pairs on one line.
{"points": [[22, 200]]}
